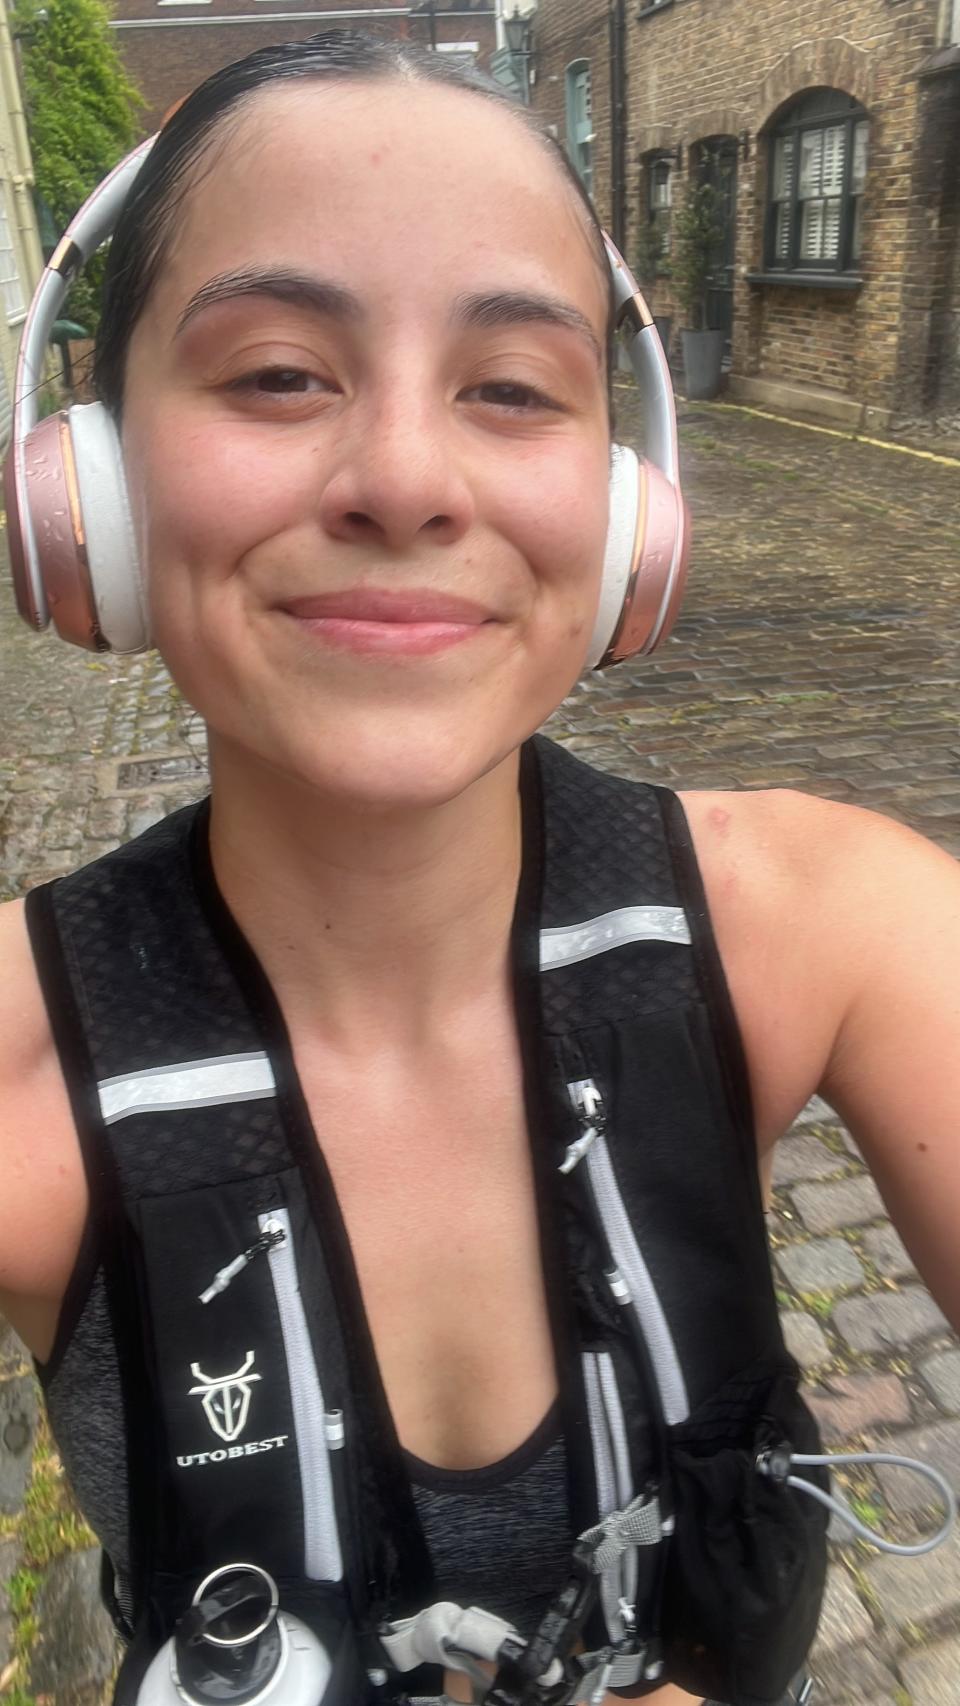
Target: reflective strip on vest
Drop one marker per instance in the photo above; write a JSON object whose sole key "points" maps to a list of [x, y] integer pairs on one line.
{"points": [[189, 1084], [565, 944]]}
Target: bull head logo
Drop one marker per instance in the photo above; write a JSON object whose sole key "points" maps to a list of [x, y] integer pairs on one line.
{"points": [[226, 1398]]}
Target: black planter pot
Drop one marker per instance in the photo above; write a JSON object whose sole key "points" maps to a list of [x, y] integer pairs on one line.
{"points": [[702, 363], [664, 325]]}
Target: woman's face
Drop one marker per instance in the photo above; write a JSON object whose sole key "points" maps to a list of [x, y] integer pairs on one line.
{"points": [[365, 431]]}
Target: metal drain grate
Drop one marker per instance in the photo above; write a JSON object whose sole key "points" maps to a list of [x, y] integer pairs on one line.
{"points": [[149, 772]]}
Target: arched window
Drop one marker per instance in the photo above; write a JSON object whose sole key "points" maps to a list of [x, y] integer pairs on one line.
{"points": [[580, 121], [818, 169]]}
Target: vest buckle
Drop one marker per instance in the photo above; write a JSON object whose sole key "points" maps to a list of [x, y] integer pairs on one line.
{"points": [[523, 1664]]}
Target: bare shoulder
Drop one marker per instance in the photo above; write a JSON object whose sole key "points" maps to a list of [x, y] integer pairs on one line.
{"points": [[42, 1187], [767, 847], [811, 902], [25, 1039]]}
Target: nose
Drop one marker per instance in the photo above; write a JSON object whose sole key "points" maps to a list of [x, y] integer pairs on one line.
{"points": [[398, 480]]}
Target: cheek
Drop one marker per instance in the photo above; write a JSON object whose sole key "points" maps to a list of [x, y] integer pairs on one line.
{"points": [[203, 498], [561, 527]]}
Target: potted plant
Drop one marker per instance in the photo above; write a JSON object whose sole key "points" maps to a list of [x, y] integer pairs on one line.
{"points": [[650, 264], [698, 232]]}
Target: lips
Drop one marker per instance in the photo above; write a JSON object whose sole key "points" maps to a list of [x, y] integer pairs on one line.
{"points": [[397, 622], [370, 604]]}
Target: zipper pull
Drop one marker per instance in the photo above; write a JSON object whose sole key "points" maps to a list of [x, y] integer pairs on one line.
{"points": [[588, 1104], [270, 1237]]}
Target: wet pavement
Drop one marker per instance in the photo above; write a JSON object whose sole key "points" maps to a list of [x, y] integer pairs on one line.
{"points": [[819, 645], [820, 649]]}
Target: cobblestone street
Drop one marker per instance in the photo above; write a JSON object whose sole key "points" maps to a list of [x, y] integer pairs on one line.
{"points": [[819, 649]]}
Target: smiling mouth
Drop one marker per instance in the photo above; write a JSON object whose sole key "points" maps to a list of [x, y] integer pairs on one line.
{"points": [[409, 623]]}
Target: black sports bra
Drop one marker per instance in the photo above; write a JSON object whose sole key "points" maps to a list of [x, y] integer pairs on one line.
{"points": [[500, 1537]]}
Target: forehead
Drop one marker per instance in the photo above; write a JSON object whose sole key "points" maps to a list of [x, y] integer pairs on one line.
{"points": [[411, 187]]}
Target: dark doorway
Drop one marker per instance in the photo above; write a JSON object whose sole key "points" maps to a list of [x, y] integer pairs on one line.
{"points": [[717, 165]]}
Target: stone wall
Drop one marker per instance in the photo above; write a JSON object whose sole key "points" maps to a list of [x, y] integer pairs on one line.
{"points": [[807, 335], [699, 69]]}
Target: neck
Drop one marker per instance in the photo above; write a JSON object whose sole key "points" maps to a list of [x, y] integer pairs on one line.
{"points": [[390, 923]]}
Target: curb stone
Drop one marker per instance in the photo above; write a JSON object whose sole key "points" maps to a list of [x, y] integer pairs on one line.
{"points": [[9, 1562], [917, 1590], [933, 1676], [78, 1650], [19, 1413], [938, 1444]]}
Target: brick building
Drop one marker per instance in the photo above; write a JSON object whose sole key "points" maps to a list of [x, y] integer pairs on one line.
{"points": [[832, 129], [169, 46]]}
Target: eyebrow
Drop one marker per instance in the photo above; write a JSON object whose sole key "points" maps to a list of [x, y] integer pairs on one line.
{"points": [[299, 289], [334, 301], [513, 308]]}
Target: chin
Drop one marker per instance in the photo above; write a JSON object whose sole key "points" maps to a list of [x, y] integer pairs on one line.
{"points": [[389, 766]]}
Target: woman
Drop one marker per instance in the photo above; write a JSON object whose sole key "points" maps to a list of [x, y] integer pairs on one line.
{"points": [[371, 493]]}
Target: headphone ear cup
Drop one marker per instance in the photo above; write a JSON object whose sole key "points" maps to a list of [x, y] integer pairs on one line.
{"points": [[79, 522], [645, 562], [116, 585]]}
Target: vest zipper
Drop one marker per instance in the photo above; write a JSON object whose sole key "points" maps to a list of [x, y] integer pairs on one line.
{"points": [[626, 1252], [631, 1286], [225, 1276], [316, 1430], [614, 1485]]}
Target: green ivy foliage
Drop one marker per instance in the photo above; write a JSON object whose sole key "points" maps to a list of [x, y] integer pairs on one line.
{"points": [[81, 113], [698, 228]]}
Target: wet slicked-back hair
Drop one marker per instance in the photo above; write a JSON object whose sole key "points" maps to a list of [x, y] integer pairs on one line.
{"points": [[149, 215]]}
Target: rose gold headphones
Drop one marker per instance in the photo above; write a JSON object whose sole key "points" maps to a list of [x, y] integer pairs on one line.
{"points": [[72, 543]]}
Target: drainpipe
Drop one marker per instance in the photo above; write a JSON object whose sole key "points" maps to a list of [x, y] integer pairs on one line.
{"points": [[616, 21]]}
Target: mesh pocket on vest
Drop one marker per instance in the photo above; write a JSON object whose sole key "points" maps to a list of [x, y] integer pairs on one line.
{"points": [[747, 1566]]}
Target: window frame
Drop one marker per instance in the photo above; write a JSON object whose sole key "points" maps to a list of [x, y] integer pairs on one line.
{"points": [[656, 159], [577, 69], [850, 115], [14, 312]]}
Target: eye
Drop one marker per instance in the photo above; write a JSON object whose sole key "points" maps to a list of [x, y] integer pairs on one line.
{"points": [[512, 398], [278, 382]]}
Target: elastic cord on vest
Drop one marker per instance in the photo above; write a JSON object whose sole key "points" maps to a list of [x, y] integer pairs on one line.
{"points": [[777, 1463]]}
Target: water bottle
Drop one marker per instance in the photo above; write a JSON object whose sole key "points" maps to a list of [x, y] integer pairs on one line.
{"points": [[235, 1645]]}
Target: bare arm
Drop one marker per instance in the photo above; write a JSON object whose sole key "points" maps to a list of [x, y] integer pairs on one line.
{"points": [[43, 1194], [894, 1070], [840, 935]]}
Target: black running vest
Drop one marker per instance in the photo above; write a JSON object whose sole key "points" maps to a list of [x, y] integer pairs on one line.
{"points": [[214, 1333]]}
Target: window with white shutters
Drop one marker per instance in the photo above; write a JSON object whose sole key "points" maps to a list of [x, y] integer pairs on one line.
{"points": [[10, 284], [580, 121], [953, 23], [782, 196], [6, 411], [818, 169]]}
